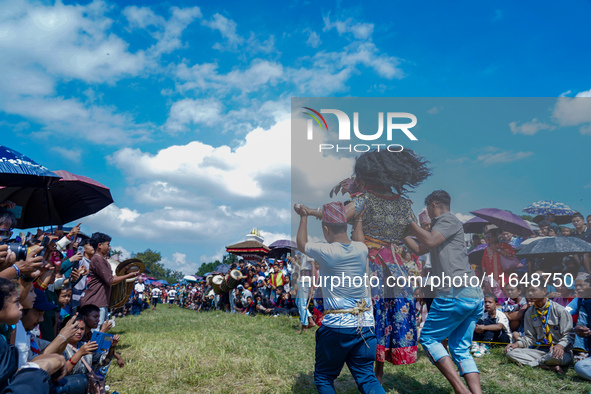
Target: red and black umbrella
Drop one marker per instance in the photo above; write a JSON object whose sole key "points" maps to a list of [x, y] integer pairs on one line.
{"points": [[69, 199]]}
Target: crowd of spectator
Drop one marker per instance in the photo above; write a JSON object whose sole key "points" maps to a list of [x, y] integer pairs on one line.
{"points": [[54, 293], [54, 299]]}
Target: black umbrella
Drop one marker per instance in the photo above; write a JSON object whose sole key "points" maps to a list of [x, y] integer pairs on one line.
{"points": [[475, 225], [72, 198], [475, 255], [555, 246], [17, 169]]}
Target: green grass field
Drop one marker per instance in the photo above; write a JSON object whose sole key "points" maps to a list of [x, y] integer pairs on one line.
{"points": [[179, 351]]}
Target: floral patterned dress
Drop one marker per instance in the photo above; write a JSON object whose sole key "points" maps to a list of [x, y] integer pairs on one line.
{"points": [[385, 223]]}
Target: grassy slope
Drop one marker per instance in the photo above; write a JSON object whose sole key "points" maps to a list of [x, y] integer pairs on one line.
{"points": [[178, 351]]}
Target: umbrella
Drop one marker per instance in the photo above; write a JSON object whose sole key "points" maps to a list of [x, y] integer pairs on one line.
{"points": [[163, 281], [505, 220], [73, 197], [475, 255], [283, 243], [558, 219], [475, 225], [156, 283], [545, 207], [17, 169], [190, 278], [554, 246], [222, 268]]}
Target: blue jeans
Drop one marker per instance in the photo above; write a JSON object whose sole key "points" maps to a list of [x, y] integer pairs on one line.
{"points": [[337, 346], [302, 303], [453, 317]]}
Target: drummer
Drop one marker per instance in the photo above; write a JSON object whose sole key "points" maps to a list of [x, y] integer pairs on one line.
{"points": [[100, 276], [347, 333]]}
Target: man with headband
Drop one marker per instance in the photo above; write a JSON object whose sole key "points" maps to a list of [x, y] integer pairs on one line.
{"points": [[346, 334]]}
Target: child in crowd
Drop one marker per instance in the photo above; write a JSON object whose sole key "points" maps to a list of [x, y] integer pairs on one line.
{"points": [[514, 308], [549, 329], [64, 296], [493, 327], [562, 294]]}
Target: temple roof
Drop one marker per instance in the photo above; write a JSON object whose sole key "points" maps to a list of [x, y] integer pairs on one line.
{"points": [[248, 247]]}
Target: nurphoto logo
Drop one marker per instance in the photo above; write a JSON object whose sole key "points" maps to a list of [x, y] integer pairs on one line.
{"points": [[344, 130]]}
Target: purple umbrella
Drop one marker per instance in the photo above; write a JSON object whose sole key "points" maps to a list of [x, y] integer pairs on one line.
{"points": [[475, 225], [283, 243], [505, 220]]}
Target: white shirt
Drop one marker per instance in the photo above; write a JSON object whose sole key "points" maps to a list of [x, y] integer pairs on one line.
{"points": [[156, 292], [172, 293], [337, 260], [139, 288], [500, 318]]}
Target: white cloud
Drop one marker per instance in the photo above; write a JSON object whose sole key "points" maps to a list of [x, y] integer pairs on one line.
{"points": [[503, 157], [313, 39], [361, 31], [227, 29], [199, 77], [71, 42], [574, 112], [188, 112], [464, 217], [180, 262], [68, 117], [166, 32], [220, 170], [71, 154], [124, 255], [434, 110], [530, 128], [44, 45], [330, 71]]}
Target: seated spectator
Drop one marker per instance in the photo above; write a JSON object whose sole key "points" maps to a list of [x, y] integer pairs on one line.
{"points": [[492, 327], [566, 231], [263, 305], [549, 328], [30, 344], [514, 308], [583, 332], [285, 305], [561, 295]]}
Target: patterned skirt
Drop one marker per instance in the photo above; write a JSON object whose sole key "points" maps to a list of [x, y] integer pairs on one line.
{"points": [[394, 309]]}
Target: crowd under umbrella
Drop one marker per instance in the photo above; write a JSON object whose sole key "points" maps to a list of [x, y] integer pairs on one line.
{"points": [[554, 246], [505, 220], [563, 213], [281, 248], [69, 199], [17, 169]]}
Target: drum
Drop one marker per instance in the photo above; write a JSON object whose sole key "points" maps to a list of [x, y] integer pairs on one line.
{"points": [[233, 278], [216, 283], [224, 286], [208, 279]]}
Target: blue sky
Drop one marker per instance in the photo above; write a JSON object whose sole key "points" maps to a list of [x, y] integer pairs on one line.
{"points": [[182, 108]]}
